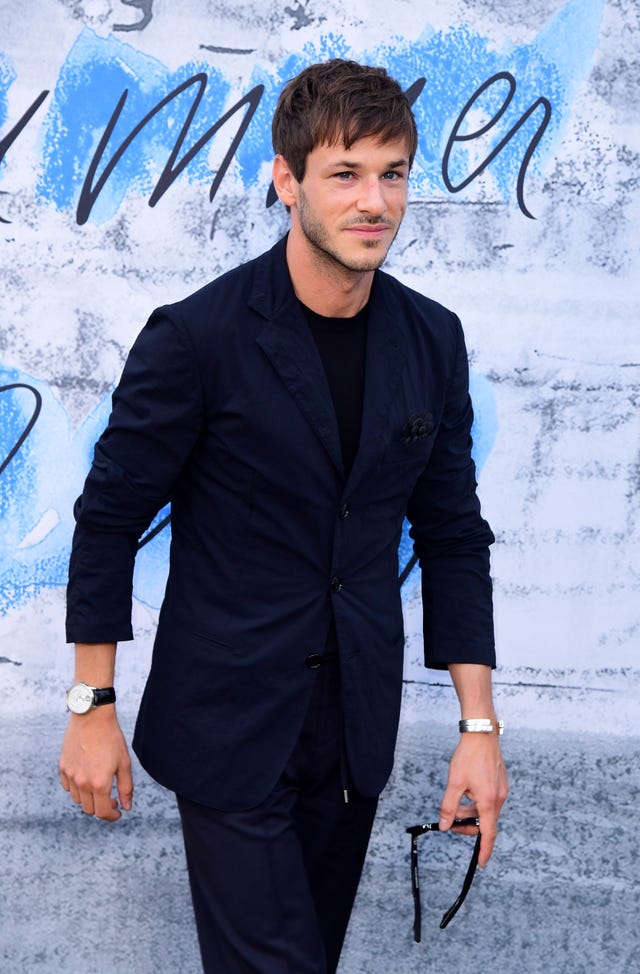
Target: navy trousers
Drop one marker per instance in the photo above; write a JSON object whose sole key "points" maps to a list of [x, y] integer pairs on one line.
{"points": [[273, 886]]}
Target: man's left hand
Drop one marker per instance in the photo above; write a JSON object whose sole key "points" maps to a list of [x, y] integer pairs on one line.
{"points": [[476, 772]]}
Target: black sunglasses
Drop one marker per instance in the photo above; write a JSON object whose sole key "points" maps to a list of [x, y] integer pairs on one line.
{"points": [[415, 831]]}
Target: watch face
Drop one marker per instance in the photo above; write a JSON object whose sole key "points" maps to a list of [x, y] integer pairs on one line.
{"points": [[80, 698]]}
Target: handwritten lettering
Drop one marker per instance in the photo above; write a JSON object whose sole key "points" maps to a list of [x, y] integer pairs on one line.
{"points": [[145, 7], [456, 137], [30, 424], [173, 168], [10, 137], [94, 184]]}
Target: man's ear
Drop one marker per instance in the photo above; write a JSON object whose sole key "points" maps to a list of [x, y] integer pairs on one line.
{"points": [[284, 181]]}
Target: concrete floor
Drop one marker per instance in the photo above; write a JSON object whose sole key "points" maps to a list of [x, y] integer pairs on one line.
{"points": [[560, 896]]}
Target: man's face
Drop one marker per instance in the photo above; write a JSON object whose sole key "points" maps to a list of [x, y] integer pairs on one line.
{"points": [[350, 203]]}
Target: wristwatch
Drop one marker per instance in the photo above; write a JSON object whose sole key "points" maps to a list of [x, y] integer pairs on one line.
{"points": [[81, 698]]}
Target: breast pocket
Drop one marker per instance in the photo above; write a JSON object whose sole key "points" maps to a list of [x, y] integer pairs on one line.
{"points": [[417, 451]]}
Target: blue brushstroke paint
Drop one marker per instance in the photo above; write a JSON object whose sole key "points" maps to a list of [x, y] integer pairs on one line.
{"points": [[96, 72], [152, 565], [7, 77], [37, 492], [454, 62], [485, 425], [32, 485]]}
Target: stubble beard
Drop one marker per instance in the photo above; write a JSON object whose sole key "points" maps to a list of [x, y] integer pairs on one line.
{"points": [[317, 236]]}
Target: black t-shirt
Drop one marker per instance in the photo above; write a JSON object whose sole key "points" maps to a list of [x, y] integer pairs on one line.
{"points": [[342, 344]]}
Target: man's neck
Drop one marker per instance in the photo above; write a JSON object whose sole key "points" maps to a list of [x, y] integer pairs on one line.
{"points": [[324, 285]]}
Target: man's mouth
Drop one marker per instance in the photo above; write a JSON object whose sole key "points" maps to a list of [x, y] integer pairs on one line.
{"points": [[369, 229]]}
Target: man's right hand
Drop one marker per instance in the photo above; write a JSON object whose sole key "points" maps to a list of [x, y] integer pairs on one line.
{"points": [[94, 752]]}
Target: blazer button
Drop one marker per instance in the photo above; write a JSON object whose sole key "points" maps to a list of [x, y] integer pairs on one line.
{"points": [[343, 512], [336, 584], [313, 661]]}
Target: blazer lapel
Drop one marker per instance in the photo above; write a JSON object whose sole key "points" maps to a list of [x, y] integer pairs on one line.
{"points": [[386, 355], [288, 343]]}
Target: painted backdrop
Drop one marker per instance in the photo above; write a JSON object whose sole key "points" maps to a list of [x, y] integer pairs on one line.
{"points": [[134, 167]]}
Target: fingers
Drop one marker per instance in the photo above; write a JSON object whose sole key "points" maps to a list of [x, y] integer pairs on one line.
{"points": [[488, 831], [450, 806], [94, 799], [477, 773], [69, 785], [94, 753], [488, 811], [106, 808], [451, 809], [468, 810], [124, 783]]}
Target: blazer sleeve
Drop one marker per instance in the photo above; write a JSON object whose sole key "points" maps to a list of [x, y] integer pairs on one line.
{"points": [[155, 420], [451, 539]]}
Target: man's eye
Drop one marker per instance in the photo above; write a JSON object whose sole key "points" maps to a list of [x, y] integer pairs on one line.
{"points": [[344, 175], [392, 175]]}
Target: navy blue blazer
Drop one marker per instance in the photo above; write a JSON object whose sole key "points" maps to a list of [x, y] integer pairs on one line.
{"points": [[224, 410]]}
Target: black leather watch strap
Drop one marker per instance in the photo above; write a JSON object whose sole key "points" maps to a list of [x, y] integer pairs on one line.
{"points": [[103, 695]]}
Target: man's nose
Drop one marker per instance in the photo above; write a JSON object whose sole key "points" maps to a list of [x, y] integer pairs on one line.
{"points": [[371, 199]]}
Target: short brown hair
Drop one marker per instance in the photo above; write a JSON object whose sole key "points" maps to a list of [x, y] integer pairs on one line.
{"points": [[339, 101]]}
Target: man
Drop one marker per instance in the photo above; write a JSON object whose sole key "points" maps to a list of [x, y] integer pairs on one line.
{"points": [[293, 411]]}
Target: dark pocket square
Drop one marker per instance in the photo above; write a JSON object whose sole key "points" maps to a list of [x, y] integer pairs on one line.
{"points": [[417, 426]]}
